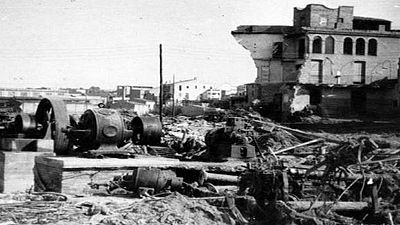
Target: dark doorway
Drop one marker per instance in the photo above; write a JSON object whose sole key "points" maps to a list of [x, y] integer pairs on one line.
{"points": [[277, 107], [315, 96], [301, 48], [358, 101], [277, 102]]}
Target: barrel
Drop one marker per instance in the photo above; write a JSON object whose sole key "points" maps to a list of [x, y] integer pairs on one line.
{"points": [[147, 130]]}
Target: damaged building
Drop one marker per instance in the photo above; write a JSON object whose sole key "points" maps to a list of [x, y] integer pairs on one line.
{"points": [[330, 60]]}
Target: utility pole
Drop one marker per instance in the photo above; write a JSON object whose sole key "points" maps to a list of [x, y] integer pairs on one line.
{"points": [[161, 85], [173, 95]]}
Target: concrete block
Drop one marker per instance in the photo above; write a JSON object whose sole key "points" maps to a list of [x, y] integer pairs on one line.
{"points": [[16, 170], [26, 144], [44, 145]]}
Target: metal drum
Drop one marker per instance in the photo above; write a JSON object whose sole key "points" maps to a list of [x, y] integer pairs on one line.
{"points": [[103, 127], [25, 123], [146, 130]]}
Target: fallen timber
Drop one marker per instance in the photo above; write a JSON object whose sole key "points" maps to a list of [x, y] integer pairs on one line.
{"points": [[299, 145], [303, 134], [71, 175], [334, 206]]}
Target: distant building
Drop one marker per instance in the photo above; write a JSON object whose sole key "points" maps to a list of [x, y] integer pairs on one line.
{"points": [[29, 98], [138, 105], [128, 92], [186, 90], [241, 90], [143, 106], [212, 94], [227, 91], [340, 63], [32, 92]]}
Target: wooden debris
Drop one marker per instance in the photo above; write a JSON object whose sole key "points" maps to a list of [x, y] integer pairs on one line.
{"points": [[299, 145]]}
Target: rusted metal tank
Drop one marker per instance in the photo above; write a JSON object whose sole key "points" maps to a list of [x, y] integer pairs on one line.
{"points": [[25, 123], [146, 130], [100, 127], [153, 178]]}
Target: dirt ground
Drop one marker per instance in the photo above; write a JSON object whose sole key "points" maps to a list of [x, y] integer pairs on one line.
{"points": [[22, 208]]}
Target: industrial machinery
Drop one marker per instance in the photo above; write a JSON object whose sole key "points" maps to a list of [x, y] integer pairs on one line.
{"points": [[147, 179], [97, 129], [146, 130], [231, 142], [101, 128]]}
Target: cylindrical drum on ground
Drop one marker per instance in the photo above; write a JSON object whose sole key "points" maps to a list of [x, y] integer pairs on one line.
{"points": [[146, 130], [106, 125]]}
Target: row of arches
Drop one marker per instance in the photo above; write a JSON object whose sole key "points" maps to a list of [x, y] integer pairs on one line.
{"points": [[347, 46]]}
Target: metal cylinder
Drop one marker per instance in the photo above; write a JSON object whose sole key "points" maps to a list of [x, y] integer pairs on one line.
{"points": [[152, 178], [106, 126], [146, 130], [25, 123]]}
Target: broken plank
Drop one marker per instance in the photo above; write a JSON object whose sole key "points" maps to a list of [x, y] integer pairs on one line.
{"points": [[306, 134], [71, 175], [216, 178], [336, 206], [299, 145]]}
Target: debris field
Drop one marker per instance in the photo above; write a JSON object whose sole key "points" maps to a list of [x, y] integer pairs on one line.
{"points": [[288, 176]]}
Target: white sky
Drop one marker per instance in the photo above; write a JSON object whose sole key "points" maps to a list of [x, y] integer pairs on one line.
{"points": [[83, 43]]}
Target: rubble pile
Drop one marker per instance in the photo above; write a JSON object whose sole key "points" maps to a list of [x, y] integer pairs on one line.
{"points": [[352, 183], [245, 169], [24, 208], [276, 140], [173, 209], [185, 136], [302, 177]]}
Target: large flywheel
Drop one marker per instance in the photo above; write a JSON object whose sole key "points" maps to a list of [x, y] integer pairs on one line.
{"points": [[52, 115]]}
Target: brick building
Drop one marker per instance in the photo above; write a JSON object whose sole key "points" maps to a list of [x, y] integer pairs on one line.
{"points": [[344, 64]]}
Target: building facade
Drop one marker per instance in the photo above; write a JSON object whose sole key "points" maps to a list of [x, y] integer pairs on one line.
{"points": [[343, 64], [186, 90], [212, 94]]}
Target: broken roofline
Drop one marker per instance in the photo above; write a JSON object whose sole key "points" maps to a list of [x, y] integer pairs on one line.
{"points": [[370, 19], [263, 29], [290, 30]]}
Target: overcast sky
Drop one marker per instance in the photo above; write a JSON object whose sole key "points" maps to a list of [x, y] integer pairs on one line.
{"points": [[83, 43]]}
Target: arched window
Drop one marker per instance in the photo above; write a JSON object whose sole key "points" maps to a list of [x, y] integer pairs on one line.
{"points": [[348, 46], [317, 45], [360, 46], [329, 45], [372, 47]]}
